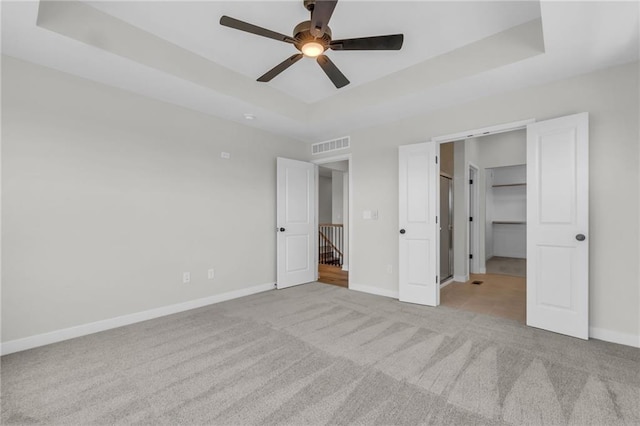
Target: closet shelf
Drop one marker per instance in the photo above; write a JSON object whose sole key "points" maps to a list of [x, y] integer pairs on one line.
{"points": [[508, 222], [509, 184]]}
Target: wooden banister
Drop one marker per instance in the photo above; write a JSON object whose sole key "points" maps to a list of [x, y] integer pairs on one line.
{"points": [[330, 244], [326, 239]]}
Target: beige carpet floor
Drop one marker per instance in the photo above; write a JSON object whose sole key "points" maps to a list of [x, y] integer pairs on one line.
{"points": [[321, 354]]}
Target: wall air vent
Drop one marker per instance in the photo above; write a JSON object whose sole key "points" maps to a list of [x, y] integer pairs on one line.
{"points": [[332, 145]]}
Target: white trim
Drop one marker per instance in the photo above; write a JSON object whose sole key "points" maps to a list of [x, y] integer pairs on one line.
{"points": [[331, 159], [345, 267], [316, 223], [482, 270], [614, 337], [461, 278], [342, 157], [107, 324], [474, 227], [374, 290], [484, 131], [446, 283]]}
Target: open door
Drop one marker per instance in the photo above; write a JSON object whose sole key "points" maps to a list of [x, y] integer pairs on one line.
{"points": [[296, 227], [557, 225], [417, 267]]}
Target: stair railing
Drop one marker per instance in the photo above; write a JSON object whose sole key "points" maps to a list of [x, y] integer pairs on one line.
{"points": [[330, 244]]}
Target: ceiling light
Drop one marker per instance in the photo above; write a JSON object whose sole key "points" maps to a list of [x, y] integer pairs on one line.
{"points": [[312, 49], [248, 116]]}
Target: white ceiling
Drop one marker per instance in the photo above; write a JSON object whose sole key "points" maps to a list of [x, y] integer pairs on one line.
{"points": [[201, 65], [194, 26]]}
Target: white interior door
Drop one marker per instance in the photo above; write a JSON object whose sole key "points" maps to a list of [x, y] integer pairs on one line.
{"points": [[296, 227], [557, 225], [418, 187]]}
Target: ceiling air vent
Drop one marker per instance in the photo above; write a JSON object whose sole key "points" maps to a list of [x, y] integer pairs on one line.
{"points": [[332, 145]]}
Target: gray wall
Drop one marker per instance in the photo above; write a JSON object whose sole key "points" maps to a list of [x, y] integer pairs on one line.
{"points": [[325, 199], [337, 197], [108, 197], [611, 98]]}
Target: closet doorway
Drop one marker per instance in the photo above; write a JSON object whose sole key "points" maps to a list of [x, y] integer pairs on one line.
{"points": [[489, 243]]}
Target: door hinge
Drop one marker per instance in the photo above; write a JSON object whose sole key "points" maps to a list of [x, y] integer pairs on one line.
{"points": [[436, 219], [470, 256], [436, 159], [470, 181], [471, 219], [436, 279]]}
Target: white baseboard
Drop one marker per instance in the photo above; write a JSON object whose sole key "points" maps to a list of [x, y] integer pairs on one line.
{"points": [[482, 271], [373, 290], [446, 283], [345, 267], [95, 327], [614, 337], [461, 278]]}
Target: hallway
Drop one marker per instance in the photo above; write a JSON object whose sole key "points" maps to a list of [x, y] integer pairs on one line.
{"points": [[334, 275]]}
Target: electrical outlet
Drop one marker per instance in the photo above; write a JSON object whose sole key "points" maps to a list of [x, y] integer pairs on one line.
{"points": [[186, 277], [211, 273]]}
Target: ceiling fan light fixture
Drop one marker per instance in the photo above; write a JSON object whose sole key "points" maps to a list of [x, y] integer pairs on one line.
{"points": [[312, 49]]}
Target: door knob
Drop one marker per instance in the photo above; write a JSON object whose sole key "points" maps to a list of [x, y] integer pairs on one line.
{"points": [[580, 237], [282, 229], [402, 231]]}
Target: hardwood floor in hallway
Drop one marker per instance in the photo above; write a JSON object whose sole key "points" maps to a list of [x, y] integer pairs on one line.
{"points": [[334, 275]]}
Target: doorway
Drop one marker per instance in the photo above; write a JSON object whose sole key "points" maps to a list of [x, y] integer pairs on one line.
{"points": [[491, 266], [557, 212], [333, 221]]}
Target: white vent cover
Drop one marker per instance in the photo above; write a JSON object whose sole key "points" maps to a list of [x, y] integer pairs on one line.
{"points": [[332, 145]]}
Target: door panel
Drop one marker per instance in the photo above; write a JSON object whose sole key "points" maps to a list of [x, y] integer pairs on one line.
{"points": [[297, 195], [296, 200], [297, 252], [417, 268], [557, 212], [557, 176]]}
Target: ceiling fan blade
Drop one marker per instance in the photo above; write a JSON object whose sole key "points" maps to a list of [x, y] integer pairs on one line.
{"points": [[269, 75], [334, 74], [320, 15], [386, 42], [254, 29]]}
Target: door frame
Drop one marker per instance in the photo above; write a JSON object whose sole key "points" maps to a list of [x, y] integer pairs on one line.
{"points": [[332, 159], [468, 134], [473, 234], [450, 276]]}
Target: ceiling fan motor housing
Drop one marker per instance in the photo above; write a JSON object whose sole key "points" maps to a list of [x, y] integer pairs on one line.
{"points": [[309, 4], [302, 34]]}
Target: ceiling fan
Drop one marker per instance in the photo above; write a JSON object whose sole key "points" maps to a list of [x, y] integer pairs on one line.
{"points": [[312, 38]]}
